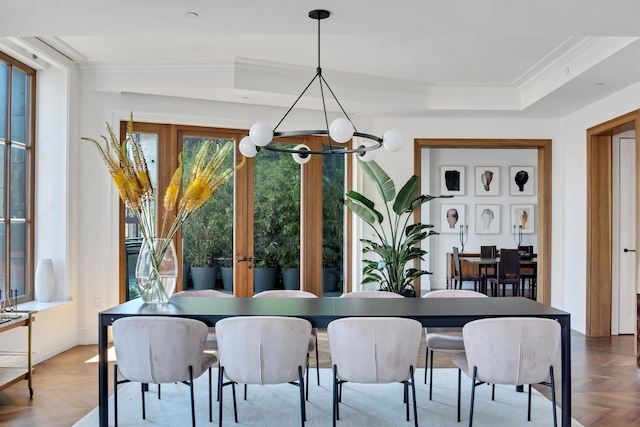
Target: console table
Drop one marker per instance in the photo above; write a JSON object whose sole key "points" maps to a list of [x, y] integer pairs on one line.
{"points": [[11, 375]]}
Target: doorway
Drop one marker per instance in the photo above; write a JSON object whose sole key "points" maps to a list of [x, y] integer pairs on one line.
{"points": [[624, 256], [600, 140], [543, 147]]}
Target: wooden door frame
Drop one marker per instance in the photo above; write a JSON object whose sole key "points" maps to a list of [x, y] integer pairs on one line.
{"points": [[543, 147], [599, 219]]}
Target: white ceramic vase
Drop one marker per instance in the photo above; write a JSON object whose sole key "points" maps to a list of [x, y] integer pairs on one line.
{"points": [[45, 282]]}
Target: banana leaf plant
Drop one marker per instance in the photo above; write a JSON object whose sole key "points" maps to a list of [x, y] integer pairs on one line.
{"points": [[397, 242]]}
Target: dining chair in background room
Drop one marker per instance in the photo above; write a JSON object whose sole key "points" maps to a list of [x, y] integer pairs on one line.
{"points": [[313, 341], [459, 277], [212, 343], [447, 340], [160, 350], [511, 351], [490, 252], [386, 349], [508, 273], [371, 294], [528, 274], [262, 350]]}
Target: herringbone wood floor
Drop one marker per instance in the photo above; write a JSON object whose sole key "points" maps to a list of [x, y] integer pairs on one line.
{"points": [[606, 385]]}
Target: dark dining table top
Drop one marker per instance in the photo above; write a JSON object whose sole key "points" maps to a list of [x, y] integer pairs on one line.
{"points": [[321, 311]]}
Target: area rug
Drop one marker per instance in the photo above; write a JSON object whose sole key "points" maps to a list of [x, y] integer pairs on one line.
{"points": [[362, 405]]}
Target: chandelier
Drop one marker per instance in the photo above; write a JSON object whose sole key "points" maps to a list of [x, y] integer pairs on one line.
{"points": [[339, 131]]}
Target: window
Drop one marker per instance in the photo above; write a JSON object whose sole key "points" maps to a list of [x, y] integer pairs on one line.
{"points": [[17, 94]]}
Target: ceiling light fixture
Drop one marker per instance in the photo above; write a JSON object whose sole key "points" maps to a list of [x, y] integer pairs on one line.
{"points": [[340, 131]]}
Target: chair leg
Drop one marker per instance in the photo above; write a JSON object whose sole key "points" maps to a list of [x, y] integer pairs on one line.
{"points": [[307, 395], [413, 392], [193, 405], [426, 362], [459, 382], [144, 413], [473, 395], [210, 404], [553, 397], [335, 395], [431, 376], [220, 390], [493, 392], [303, 415], [317, 363], [529, 404], [235, 407], [159, 391], [245, 392], [115, 394]]}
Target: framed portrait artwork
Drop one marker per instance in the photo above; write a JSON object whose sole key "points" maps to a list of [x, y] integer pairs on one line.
{"points": [[523, 216], [521, 181], [487, 219], [452, 180], [487, 179], [451, 218]]}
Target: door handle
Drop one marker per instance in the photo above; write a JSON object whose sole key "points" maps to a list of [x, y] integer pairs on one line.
{"points": [[244, 258], [629, 250]]}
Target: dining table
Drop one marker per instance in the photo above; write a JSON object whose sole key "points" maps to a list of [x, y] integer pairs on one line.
{"points": [[430, 312]]}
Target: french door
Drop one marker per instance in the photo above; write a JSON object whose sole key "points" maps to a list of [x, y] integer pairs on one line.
{"points": [[274, 214]]}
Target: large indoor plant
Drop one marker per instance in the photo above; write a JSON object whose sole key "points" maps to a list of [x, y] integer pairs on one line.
{"points": [[156, 270], [397, 241]]}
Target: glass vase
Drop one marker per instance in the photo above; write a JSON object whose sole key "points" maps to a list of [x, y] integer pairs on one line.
{"points": [[156, 270]]}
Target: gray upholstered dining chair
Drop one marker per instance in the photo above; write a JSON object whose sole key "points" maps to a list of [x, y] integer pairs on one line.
{"points": [[212, 343], [160, 350], [378, 350], [262, 350], [313, 341], [512, 351], [371, 294], [444, 339]]}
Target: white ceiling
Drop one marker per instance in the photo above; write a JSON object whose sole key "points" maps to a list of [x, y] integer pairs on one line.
{"points": [[414, 58]]}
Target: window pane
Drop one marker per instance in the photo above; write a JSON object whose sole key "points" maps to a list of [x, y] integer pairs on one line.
{"points": [[149, 144], [18, 206], [333, 215], [18, 255], [19, 106], [4, 91], [132, 233], [2, 262], [276, 219], [3, 212], [207, 235]]}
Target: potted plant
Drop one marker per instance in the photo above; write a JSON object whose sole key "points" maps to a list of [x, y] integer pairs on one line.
{"points": [[396, 242], [329, 270], [265, 273], [199, 244], [288, 256]]}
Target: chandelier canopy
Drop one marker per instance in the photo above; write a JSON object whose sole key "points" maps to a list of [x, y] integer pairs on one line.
{"points": [[340, 130]]}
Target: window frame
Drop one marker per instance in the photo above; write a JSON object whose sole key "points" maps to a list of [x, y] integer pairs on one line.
{"points": [[30, 151]]}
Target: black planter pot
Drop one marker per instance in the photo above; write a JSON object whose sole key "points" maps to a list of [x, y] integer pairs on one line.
{"points": [[264, 279], [203, 277], [227, 278], [291, 278]]}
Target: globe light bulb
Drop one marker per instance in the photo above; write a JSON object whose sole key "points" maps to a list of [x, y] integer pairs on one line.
{"points": [[261, 134], [341, 130], [247, 147], [367, 156], [392, 140], [301, 158]]}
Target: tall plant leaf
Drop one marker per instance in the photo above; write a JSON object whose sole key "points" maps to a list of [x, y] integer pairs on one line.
{"points": [[368, 215], [385, 186], [405, 196]]}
